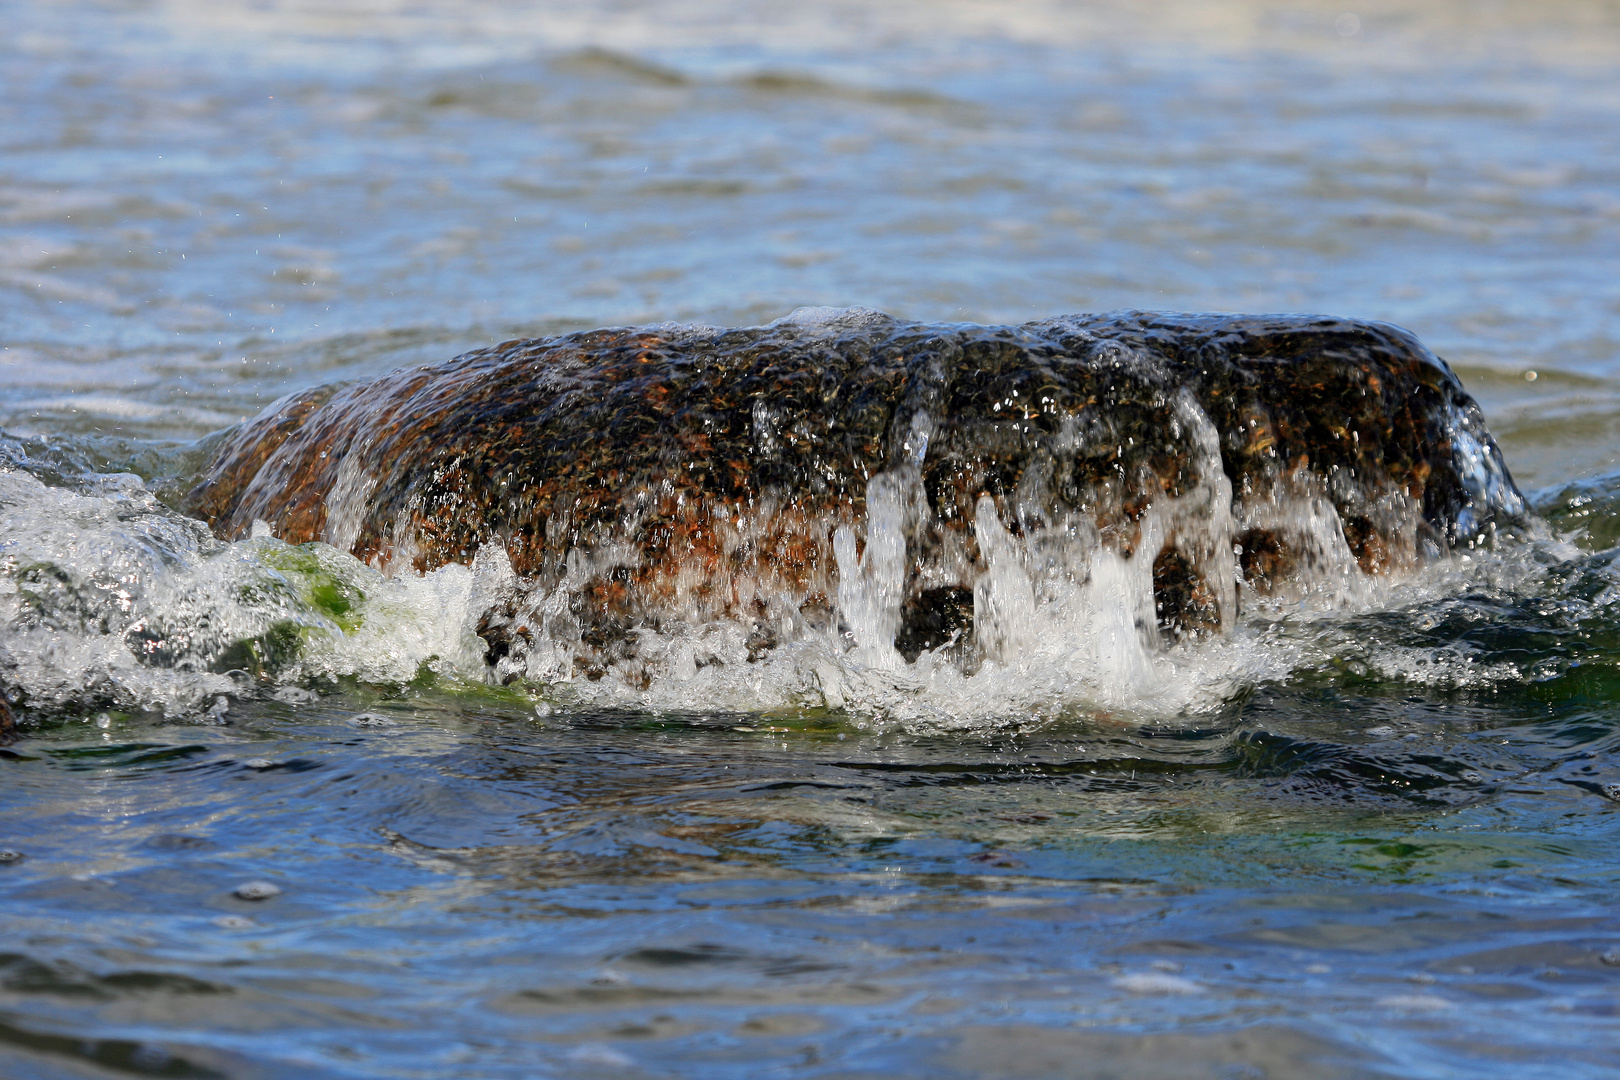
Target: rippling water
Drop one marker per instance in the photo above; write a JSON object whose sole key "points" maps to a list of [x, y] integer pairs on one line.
{"points": [[1385, 847]]}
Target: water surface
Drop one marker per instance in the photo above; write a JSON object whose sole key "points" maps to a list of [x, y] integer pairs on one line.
{"points": [[1387, 850]]}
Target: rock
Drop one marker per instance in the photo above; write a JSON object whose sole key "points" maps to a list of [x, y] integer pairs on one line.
{"points": [[696, 473]]}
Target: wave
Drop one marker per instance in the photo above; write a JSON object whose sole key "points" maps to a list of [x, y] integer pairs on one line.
{"points": [[928, 583]]}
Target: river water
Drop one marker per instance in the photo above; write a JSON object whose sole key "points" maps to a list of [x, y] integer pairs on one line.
{"points": [[1378, 841]]}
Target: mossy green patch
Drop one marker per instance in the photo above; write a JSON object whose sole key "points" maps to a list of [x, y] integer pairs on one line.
{"points": [[308, 569]]}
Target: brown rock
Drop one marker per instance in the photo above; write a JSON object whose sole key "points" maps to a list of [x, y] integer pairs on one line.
{"points": [[692, 472]]}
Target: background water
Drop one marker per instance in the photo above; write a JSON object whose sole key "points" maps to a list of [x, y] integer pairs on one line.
{"points": [[1392, 856]]}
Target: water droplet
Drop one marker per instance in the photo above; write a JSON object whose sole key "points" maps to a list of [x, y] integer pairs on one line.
{"points": [[256, 890]]}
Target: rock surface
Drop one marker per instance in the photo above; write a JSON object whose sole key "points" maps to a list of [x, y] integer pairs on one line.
{"points": [[694, 473]]}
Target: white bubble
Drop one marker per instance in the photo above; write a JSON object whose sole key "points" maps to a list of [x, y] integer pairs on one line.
{"points": [[1348, 24]]}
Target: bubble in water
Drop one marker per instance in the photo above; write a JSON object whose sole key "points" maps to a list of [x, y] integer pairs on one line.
{"points": [[260, 763], [256, 890], [234, 922], [9, 856], [1611, 790]]}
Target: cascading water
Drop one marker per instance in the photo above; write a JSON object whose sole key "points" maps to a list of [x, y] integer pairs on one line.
{"points": [[1047, 526]]}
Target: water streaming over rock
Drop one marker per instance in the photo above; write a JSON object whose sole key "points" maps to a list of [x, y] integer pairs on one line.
{"points": [[838, 509]]}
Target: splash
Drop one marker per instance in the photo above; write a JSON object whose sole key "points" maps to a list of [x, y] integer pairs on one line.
{"points": [[108, 599], [1128, 515]]}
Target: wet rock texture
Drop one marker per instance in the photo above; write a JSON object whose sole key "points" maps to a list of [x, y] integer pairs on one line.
{"points": [[663, 470]]}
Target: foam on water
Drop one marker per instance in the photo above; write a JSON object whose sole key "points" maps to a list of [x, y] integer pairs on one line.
{"points": [[109, 598]]}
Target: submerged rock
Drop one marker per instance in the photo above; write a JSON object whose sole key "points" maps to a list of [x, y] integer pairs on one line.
{"points": [[906, 485]]}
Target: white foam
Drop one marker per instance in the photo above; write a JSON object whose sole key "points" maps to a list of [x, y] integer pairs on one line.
{"points": [[830, 321], [105, 595]]}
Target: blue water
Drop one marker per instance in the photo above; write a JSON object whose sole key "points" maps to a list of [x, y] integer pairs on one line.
{"points": [[1391, 854]]}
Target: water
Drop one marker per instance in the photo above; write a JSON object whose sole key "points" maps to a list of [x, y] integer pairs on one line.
{"points": [[1373, 837]]}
